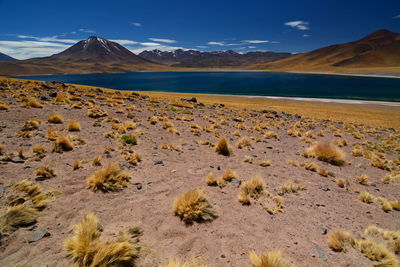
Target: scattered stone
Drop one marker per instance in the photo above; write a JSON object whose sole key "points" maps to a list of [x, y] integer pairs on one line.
{"points": [[321, 253], [48, 86], [158, 162], [325, 188], [44, 98], [36, 236], [17, 160], [53, 94], [3, 189], [236, 182]]}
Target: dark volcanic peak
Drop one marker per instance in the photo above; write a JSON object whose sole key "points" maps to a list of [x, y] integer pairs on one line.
{"points": [[194, 58], [4, 57], [97, 49]]}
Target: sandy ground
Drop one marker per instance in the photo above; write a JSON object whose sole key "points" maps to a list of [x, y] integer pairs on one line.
{"points": [[300, 231]]}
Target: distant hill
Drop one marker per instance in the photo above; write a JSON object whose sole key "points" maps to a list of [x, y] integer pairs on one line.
{"points": [[93, 55], [378, 50], [4, 57], [216, 59]]}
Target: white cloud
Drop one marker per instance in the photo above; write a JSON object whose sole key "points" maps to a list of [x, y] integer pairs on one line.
{"points": [[255, 41], [136, 24], [48, 39], [252, 47], [168, 41], [396, 17], [298, 24], [28, 49], [202, 46], [216, 43], [87, 30], [149, 44], [125, 42], [306, 35]]}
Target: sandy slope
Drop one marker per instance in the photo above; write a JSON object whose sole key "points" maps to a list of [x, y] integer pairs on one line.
{"points": [[299, 232]]}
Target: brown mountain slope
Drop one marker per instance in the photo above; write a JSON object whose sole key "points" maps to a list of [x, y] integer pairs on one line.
{"points": [[93, 55], [378, 50]]}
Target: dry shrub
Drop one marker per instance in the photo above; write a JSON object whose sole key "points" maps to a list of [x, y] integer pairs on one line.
{"points": [[366, 197], [363, 179], [15, 217], [153, 120], [76, 165], [33, 103], [338, 240], [388, 179], [110, 178], [386, 205], [223, 147], [251, 189], [392, 238], [55, 118], [51, 134], [63, 143], [97, 161], [39, 150], [379, 163], [211, 180], [45, 172], [229, 175], [4, 106], [86, 249], [377, 252], [311, 166], [343, 183], [292, 188], [74, 126], [270, 134], [269, 259], [244, 142], [2, 149], [96, 112], [328, 152], [194, 206]]}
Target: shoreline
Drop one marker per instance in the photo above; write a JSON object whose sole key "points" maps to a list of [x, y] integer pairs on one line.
{"points": [[372, 113], [391, 75]]}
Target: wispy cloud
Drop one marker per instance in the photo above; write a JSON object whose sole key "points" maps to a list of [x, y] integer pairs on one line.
{"points": [[87, 30], [202, 46], [149, 44], [255, 41], [136, 24], [216, 43], [48, 39], [125, 42], [251, 47], [161, 40], [28, 49], [396, 17], [306, 35], [298, 24]]}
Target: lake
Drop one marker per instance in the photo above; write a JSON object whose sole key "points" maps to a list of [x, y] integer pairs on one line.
{"points": [[243, 83]]}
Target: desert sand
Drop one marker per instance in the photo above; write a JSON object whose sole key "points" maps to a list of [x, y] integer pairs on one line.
{"points": [[176, 140]]}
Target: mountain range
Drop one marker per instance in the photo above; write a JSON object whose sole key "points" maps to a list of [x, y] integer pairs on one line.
{"points": [[4, 57], [377, 52]]}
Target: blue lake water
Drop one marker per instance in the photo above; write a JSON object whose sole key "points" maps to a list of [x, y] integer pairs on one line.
{"points": [[243, 83]]}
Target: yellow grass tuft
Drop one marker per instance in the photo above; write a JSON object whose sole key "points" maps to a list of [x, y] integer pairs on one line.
{"points": [[363, 179], [251, 189], [269, 259], [244, 142], [74, 126], [265, 163], [76, 165], [86, 249], [33, 103], [270, 134], [52, 134], [55, 118], [292, 188], [97, 161], [311, 166], [110, 178], [96, 112], [328, 152], [338, 240], [211, 180], [229, 175], [45, 172], [194, 206], [392, 238], [4, 106], [343, 183], [223, 148], [377, 252], [366, 197], [386, 205], [15, 217], [63, 143]]}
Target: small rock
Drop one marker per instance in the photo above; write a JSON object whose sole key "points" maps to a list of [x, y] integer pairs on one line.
{"points": [[236, 182], [324, 231], [325, 188], [139, 186], [44, 98], [53, 94], [17, 160], [218, 168], [36, 236], [269, 147], [157, 162], [321, 253]]}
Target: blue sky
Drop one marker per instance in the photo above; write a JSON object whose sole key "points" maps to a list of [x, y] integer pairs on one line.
{"points": [[43, 27]]}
